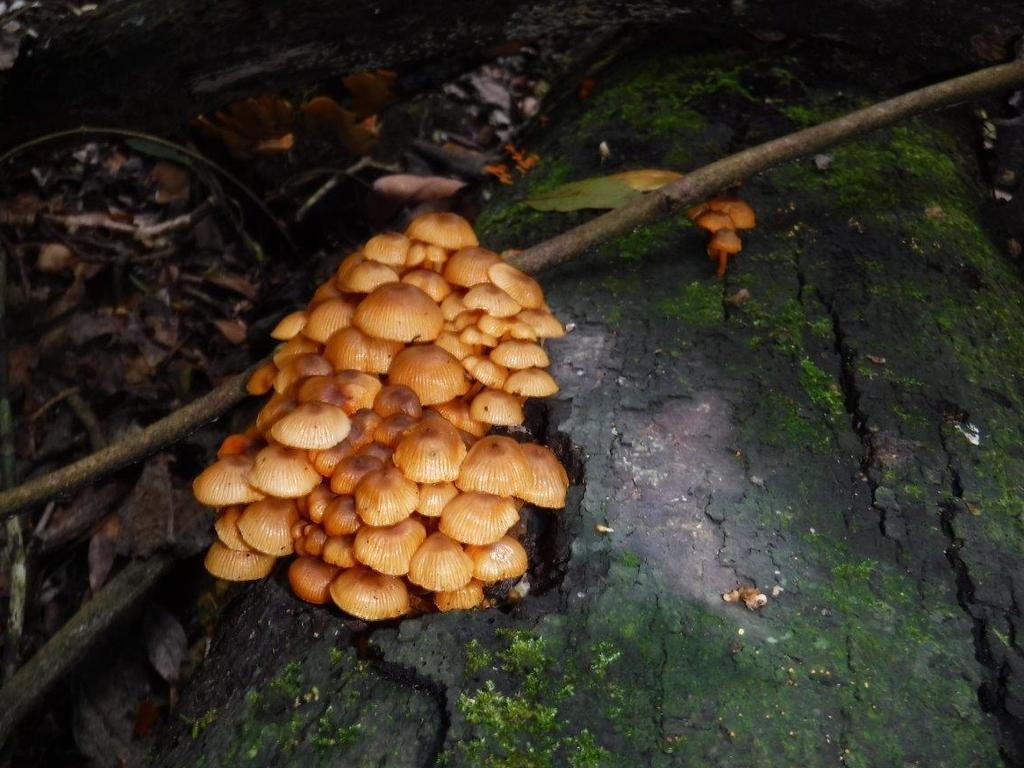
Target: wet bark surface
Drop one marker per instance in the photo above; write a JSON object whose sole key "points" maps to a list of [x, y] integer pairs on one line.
{"points": [[846, 440]]}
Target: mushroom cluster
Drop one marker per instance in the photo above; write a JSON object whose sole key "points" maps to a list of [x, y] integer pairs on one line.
{"points": [[371, 461], [721, 217]]}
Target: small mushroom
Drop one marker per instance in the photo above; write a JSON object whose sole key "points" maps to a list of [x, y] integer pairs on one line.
{"points": [[385, 496], [504, 559], [447, 230], [399, 312], [468, 266], [389, 549], [549, 478], [368, 595], [724, 244], [226, 482], [430, 452], [429, 371], [478, 518], [235, 565], [389, 248], [310, 579], [469, 596], [495, 465], [440, 565]]}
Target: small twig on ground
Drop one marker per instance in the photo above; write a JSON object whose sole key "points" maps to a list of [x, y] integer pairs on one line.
{"points": [[147, 235], [332, 182], [14, 553], [97, 440], [71, 642], [60, 397], [135, 448], [697, 186], [721, 174]]}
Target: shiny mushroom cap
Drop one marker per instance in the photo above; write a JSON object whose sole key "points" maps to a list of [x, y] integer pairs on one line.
{"points": [[310, 579], [399, 312], [478, 518], [312, 426], [226, 482], [385, 496], [369, 595], [447, 230], [429, 371], [430, 452], [504, 559], [266, 526], [440, 565], [468, 267], [283, 472], [235, 565], [549, 478], [389, 549], [495, 465]]}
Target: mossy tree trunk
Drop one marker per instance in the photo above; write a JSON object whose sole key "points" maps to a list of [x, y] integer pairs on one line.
{"points": [[847, 440]]}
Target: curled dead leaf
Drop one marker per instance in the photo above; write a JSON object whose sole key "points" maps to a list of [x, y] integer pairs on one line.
{"points": [[751, 597]]}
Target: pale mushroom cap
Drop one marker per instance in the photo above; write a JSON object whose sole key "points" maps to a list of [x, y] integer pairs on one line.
{"points": [[521, 287], [495, 406], [397, 398], [340, 518], [276, 407], [312, 426], [430, 452], [350, 471], [289, 326], [478, 518], [226, 528], [385, 496], [440, 565], [366, 276], [233, 565], [457, 411], [472, 336], [352, 349], [378, 450], [492, 300], [452, 305], [283, 472], [431, 283], [504, 559], [262, 379], [388, 248], [545, 324], [316, 503], [326, 462], [486, 371], [434, 497], [516, 355], [359, 389], [297, 345], [495, 465], [739, 211], [266, 526], [312, 541], [531, 382], [713, 221], [429, 371], [310, 579], [447, 230], [347, 264], [494, 326], [399, 312], [299, 367], [725, 240], [226, 482], [389, 549], [469, 596], [370, 596], [468, 266], [340, 551], [450, 342], [550, 480], [328, 317], [391, 429], [326, 291]]}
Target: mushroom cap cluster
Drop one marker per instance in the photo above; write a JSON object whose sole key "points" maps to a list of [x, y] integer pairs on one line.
{"points": [[722, 217], [371, 461]]}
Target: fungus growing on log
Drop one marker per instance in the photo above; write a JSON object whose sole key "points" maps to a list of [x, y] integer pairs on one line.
{"points": [[721, 217], [370, 462]]}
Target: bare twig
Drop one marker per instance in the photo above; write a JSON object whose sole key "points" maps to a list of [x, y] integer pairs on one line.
{"points": [[97, 440], [694, 187], [719, 175], [70, 643], [14, 552], [164, 432], [147, 235]]}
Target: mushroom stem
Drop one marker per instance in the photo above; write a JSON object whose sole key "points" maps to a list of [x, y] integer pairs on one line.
{"points": [[723, 261]]}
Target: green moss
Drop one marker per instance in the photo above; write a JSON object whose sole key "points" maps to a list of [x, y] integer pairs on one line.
{"points": [[198, 724], [513, 220], [808, 115], [521, 723], [821, 389], [697, 304], [477, 657], [645, 240], [288, 680], [780, 421], [631, 559]]}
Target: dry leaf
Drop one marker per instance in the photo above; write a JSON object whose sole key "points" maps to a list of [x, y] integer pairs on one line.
{"points": [[751, 597], [54, 258], [326, 117], [173, 183], [235, 283], [166, 643], [646, 179], [371, 91], [232, 330], [742, 296], [600, 192], [103, 550]]}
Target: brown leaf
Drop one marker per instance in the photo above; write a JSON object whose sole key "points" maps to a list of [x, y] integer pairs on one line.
{"points": [[160, 513], [54, 258], [107, 695], [173, 182], [646, 179], [232, 330], [103, 550], [327, 118], [166, 643], [371, 91], [236, 283]]}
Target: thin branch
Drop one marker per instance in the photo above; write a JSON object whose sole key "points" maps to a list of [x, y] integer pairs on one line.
{"points": [[694, 187], [69, 644], [721, 174], [131, 449]]}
